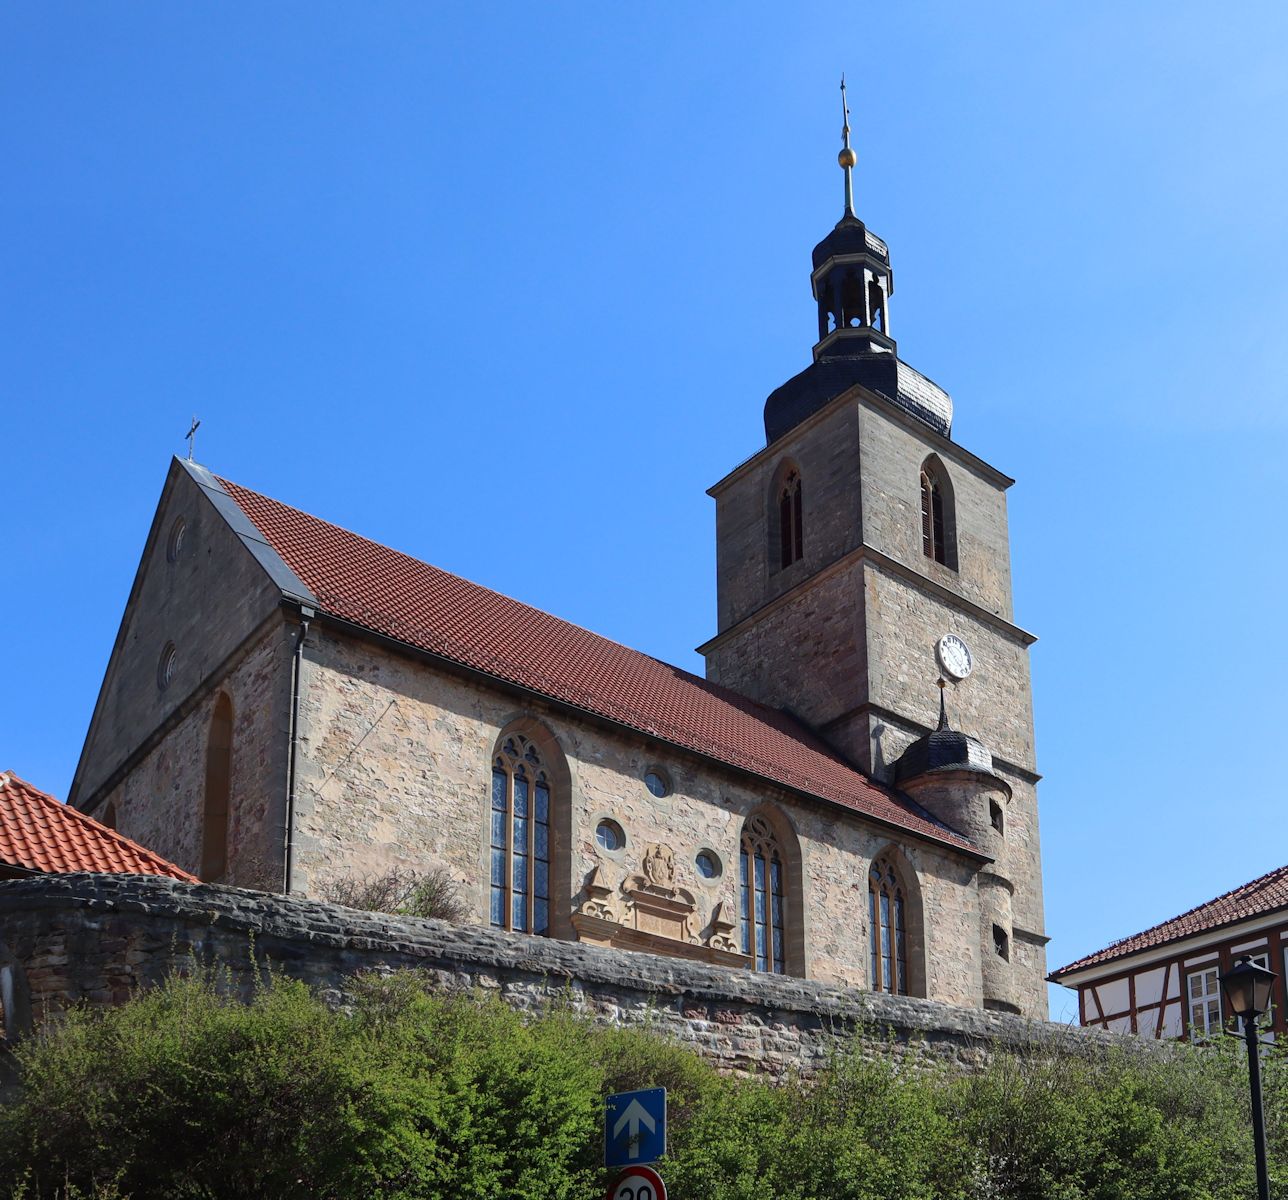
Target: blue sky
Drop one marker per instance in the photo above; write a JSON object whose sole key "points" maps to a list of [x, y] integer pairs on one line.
{"points": [[506, 286]]}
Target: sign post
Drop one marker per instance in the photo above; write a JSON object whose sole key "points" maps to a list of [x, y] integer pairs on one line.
{"points": [[635, 1130]]}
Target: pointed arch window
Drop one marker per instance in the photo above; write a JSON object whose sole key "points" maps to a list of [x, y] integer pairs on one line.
{"points": [[762, 888], [791, 524], [520, 841], [937, 537], [219, 767], [887, 929]]}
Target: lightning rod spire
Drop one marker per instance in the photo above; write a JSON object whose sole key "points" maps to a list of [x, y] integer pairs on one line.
{"points": [[847, 158]]}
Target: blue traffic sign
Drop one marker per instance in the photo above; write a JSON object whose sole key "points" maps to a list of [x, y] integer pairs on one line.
{"points": [[635, 1127]]}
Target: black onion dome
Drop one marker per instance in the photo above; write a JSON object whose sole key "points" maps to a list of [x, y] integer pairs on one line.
{"points": [[850, 236], [943, 750]]}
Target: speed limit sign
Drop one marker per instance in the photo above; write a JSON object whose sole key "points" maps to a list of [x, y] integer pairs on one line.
{"points": [[637, 1183]]}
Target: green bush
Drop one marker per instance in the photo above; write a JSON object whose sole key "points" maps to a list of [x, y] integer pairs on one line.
{"points": [[186, 1093]]}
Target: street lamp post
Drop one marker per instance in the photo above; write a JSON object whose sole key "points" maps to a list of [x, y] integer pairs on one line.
{"points": [[1247, 993]]}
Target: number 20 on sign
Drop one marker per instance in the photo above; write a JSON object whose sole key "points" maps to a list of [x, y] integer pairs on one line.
{"points": [[637, 1183]]}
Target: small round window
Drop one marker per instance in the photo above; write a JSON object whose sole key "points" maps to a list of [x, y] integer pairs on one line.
{"points": [[708, 864], [165, 666], [174, 547], [657, 783], [609, 835]]}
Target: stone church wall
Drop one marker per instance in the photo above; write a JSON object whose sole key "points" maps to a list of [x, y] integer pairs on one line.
{"points": [[159, 803], [394, 770], [97, 939]]}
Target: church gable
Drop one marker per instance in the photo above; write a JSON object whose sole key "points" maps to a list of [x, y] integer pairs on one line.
{"points": [[203, 586]]}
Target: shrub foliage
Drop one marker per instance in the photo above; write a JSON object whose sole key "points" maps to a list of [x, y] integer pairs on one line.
{"points": [[403, 892], [186, 1093]]}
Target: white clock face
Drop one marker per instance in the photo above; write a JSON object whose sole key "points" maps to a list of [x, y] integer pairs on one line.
{"points": [[954, 656]]}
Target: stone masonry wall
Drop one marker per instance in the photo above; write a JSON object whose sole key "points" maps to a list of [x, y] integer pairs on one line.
{"points": [[395, 770], [159, 803], [96, 939]]}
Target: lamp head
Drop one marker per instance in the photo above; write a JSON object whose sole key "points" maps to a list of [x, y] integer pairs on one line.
{"points": [[1246, 986]]}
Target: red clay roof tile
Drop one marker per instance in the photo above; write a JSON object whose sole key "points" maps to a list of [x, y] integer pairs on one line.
{"points": [[389, 593], [1262, 895], [39, 833]]}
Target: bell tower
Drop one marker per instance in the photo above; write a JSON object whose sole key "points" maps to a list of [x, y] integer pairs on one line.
{"points": [[858, 540]]}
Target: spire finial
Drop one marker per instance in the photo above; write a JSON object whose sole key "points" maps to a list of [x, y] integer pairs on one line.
{"points": [[942, 683], [191, 435], [847, 158]]}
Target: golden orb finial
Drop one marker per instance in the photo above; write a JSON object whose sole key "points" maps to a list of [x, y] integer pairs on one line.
{"points": [[847, 158]]}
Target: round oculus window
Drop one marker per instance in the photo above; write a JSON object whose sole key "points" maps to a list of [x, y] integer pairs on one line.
{"points": [[657, 783], [609, 835], [708, 864]]}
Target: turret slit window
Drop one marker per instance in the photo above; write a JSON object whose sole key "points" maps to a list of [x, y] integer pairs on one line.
{"points": [[791, 523], [938, 537], [520, 841], [762, 880], [887, 930]]}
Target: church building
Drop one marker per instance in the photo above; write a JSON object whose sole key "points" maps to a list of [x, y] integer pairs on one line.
{"points": [[288, 704]]}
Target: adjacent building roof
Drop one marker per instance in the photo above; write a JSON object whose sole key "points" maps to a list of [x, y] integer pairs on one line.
{"points": [[39, 833], [389, 593], [1255, 899]]}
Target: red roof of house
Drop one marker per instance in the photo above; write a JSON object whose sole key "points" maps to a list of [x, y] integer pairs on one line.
{"points": [[389, 593], [1261, 896], [39, 833]]}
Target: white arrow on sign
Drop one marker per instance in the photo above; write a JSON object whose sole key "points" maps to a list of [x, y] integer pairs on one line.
{"points": [[631, 1120]]}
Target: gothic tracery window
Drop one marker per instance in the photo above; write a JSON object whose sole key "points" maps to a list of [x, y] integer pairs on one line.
{"points": [[762, 884], [791, 526], [520, 842], [887, 929]]}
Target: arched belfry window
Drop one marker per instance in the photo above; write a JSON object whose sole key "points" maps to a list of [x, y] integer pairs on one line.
{"points": [[520, 845], [219, 770], [938, 535], [762, 880], [791, 521], [888, 920]]}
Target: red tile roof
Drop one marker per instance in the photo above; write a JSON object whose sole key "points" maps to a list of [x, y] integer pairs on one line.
{"points": [[39, 833], [1261, 896], [389, 593]]}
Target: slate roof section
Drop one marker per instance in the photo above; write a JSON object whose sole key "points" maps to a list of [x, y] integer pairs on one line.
{"points": [[39, 833], [389, 593], [826, 378], [1263, 895]]}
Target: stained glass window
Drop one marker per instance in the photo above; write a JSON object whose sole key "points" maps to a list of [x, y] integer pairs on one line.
{"points": [[761, 878], [520, 839], [887, 930]]}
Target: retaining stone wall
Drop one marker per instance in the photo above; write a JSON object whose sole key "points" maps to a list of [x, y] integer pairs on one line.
{"points": [[97, 938]]}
